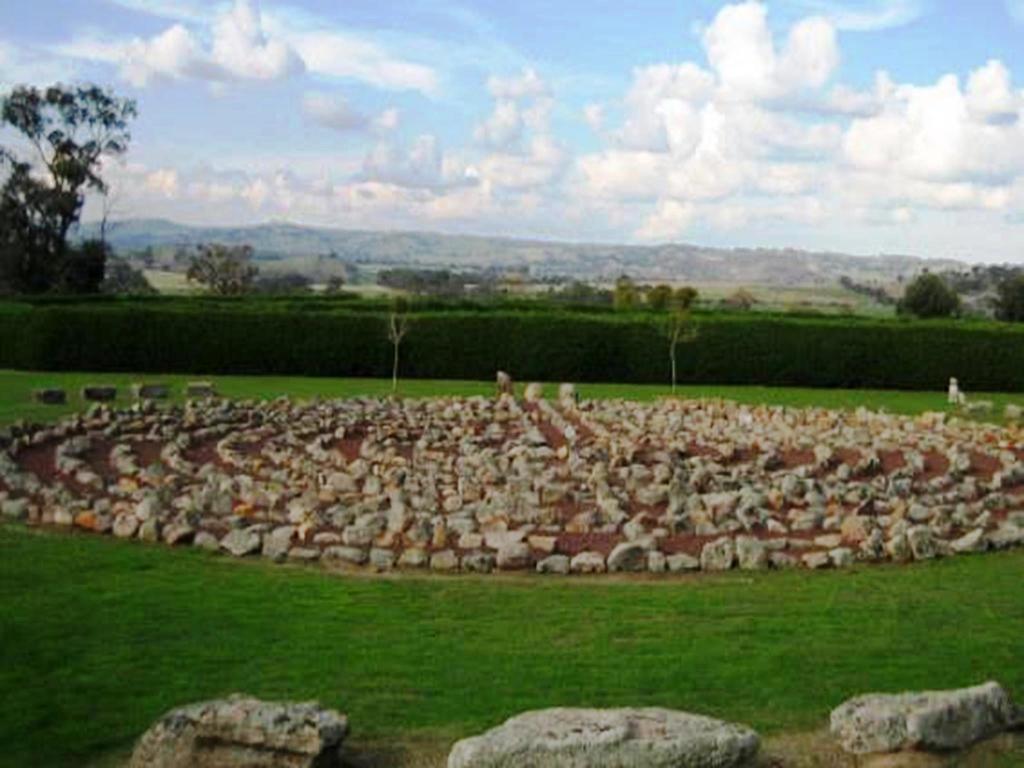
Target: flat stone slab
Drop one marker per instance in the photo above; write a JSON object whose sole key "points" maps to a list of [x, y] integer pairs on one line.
{"points": [[151, 391], [608, 738], [50, 396], [241, 732], [96, 393], [929, 720], [200, 389]]}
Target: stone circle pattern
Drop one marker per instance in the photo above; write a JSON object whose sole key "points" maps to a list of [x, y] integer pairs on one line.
{"points": [[479, 484]]}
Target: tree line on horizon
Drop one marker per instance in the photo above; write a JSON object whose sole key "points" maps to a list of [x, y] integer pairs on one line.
{"points": [[68, 132]]}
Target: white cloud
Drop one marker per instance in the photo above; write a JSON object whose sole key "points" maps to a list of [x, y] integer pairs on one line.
{"points": [[527, 85], [539, 167], [761, 136], [843, 100], [386, 121], [811, 54], [174, 53], [620, 175], [341, 55], [741, 51], [164, 181], [334, 112], [990, 94], [337, 53], [868, 15], [941, 133], [669, 221], [23, 66], [593, 116], [691, 134], [243, 49], [419, 166], [524, 158], [243, 43], [522, 103], [503, 128], [176, 10], [239, 49], [683, 87], [423, 165]]}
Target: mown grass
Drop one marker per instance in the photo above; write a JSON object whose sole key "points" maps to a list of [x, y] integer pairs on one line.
{"points": [[99, 637], [16, 389]]}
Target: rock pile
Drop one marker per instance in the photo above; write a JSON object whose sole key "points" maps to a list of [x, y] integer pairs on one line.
{"points": [[483, 484]]}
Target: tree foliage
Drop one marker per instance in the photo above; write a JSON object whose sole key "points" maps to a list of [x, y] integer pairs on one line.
{"points": [[685, 297], [334, 286], [663, 297], [928, 295], [283, 284], [626, 295], [225, 270], [122, 279], [580, 292], [659, 296], [742, 299], [69, 130], [1010, 299]]}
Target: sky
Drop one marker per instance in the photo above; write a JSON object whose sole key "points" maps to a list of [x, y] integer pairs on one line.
{"points": [[879, 126]]}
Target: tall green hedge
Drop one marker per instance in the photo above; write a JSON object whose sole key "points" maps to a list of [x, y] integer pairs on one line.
{"points": [[543, 345]]}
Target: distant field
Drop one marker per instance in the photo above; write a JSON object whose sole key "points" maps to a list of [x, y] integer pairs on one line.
{"points": [[168, 282], [100, 637], [827, 299], [16, 389]]}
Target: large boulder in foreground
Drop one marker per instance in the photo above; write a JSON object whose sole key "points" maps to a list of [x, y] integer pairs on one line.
{"points": [[608, 738], [930, 720], [241, 732]]}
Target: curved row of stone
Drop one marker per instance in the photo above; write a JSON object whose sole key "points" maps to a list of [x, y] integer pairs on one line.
{"points": [[479, 485]]}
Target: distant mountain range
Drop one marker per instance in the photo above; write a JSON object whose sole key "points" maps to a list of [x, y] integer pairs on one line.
{"points": [[676, 262]]}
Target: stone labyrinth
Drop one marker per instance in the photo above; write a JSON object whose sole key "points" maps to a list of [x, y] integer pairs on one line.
{"points": [[482, 484]]}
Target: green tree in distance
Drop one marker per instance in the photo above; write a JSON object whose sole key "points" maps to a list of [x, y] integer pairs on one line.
{"points": [[1010, 301], [928, 295], [224, 270], [626, 295], [659, 296]]}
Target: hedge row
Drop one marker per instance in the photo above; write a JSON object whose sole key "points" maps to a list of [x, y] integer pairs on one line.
{"points": [[553, 346]]}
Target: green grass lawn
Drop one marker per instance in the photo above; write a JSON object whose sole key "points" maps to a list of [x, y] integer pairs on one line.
{"points": [[16, 392], [99, 637]]}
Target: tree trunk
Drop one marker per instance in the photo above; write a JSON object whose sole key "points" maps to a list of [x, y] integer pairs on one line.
{"points": [[672, 354], [394, 371]]}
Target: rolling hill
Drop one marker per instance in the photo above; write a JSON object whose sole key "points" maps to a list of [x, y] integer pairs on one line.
{"points": [[674, 262]]}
